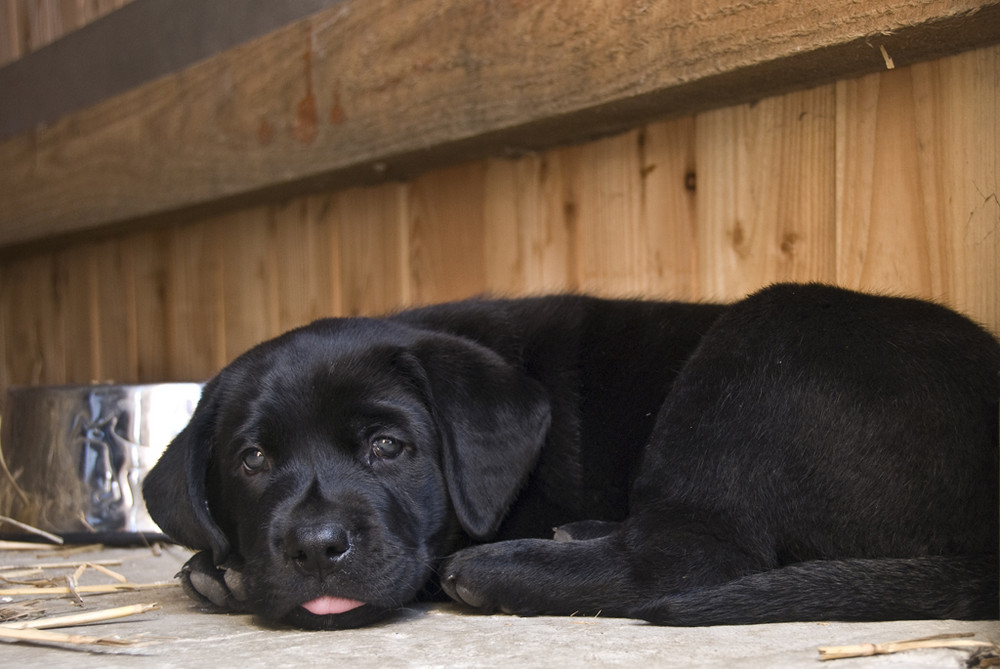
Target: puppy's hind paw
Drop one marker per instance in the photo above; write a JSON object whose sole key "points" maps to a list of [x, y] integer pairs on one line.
{"points": [[219, 587]]}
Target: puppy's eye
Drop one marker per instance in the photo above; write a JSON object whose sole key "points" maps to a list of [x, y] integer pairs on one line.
{"points": [[386, 448], [254, 460]]}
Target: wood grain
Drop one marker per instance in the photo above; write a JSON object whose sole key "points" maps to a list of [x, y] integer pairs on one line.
{"points": [[33, 323], [883, 228], [603, 200], [375, 89], [669, 184], [195, 314], [28, 25], [530, 225], [248, 302], [886, 182], [76, 292], [765, 180], [114, 330], [12, 38], [918, 153], [77, 69], [446, 235], [300, 262], [510, 210], [372, 259], [148, 259]]}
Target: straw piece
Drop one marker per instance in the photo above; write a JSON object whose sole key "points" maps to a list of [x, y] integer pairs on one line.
{"points": [[889, 64], [45, 636], [86, 589], [13, 480], [31, 530], [73, 591], [85, 618], [25, 546], [63, 565], [82, 517], [107, 572], [954, 641]]}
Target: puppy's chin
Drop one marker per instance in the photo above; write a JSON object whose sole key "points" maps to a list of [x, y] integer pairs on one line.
{"points": [[366, 614]]}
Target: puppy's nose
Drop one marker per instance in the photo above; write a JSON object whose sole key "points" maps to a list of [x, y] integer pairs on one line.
{"points": [[315, 549]]}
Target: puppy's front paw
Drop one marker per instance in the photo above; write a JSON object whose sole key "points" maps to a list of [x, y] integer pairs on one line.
{"points": [[221, 587], [530, 577], [465, 581], [500, 577]]}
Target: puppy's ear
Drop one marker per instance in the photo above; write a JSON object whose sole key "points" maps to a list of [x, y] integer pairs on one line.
{"points": [[174, 490], [493, 420]]}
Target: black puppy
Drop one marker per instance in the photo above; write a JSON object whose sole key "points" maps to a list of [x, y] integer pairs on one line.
{"points": [[808, 453]]}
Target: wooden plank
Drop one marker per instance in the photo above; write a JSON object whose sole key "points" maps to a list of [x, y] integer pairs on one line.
{"points": [[115, 330], [669, 183], [918, 177], [76, 291], [195, 330], [83, 67], [249, 310], [148, 256], [32, 344], [11, 35], [371, 268], [302, 262], [530, 236], [765, 182], [604, 203], [963, 175], [931, 132], [376, 89], [884, 240], [613, 217], [446, 237], [509, 211]]}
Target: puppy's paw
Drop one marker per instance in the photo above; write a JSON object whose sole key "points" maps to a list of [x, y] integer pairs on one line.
{"points": [[501, 577], [530, 577], [465, 579], [219, 587]]}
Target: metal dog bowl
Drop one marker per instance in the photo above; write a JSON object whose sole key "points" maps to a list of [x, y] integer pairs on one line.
{"points": [[76, 456]]}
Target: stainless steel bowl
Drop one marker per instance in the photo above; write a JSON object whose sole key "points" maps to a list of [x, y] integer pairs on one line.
{"points": [[76, 456]]}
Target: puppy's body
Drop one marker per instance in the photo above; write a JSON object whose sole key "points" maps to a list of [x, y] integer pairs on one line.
{"points": [[605, 367], [807, 453]]}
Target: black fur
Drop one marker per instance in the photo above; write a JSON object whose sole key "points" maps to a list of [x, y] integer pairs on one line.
{"points": [[808, 453]]}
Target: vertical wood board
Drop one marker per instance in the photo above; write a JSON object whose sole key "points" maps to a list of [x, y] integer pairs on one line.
{"points": [[887, 183]]}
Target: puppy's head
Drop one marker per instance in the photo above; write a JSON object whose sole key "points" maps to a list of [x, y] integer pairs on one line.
{"points": [[337, 463]]}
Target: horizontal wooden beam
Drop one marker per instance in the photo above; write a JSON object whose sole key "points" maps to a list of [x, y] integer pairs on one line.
{"points": [[98, 61], [370, 90]]}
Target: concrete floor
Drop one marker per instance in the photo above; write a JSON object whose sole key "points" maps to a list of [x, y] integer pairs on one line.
{"points": [[180, 635]]}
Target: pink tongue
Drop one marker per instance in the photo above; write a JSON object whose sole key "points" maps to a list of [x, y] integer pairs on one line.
{"points": [[324, 606]]}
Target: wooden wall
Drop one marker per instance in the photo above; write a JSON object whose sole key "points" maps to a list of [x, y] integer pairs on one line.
{"points": [[887, 183], [28, 25]]}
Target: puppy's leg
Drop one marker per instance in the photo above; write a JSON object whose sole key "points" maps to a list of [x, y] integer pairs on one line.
{"points": [[616, 574], [538, 577], [959, 587]]}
